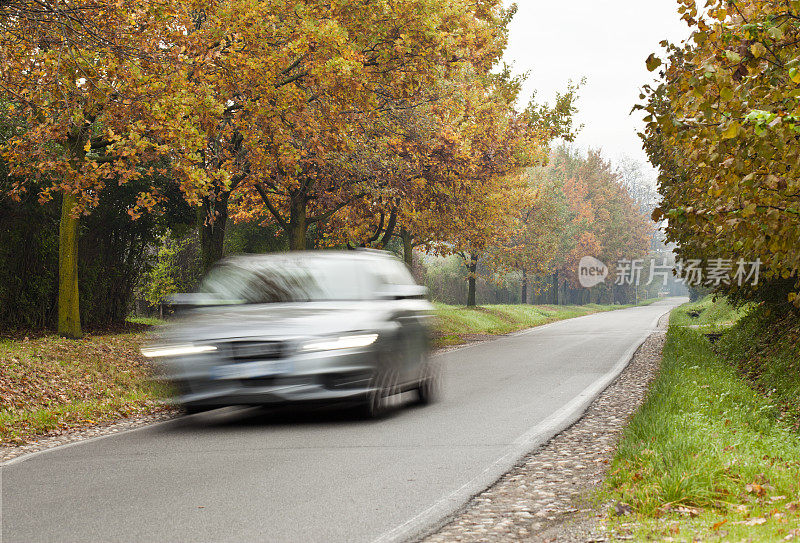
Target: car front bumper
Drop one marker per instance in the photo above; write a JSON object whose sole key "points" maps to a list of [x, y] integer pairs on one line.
{"points": [[324, 377]]}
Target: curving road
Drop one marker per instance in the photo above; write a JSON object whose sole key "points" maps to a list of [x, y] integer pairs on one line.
{"points": [[252, 475]]}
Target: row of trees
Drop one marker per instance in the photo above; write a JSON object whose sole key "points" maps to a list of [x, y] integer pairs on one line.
{"points": [[347, 123], [723, 127], [300, 114], [578, 205], [585, 206]]}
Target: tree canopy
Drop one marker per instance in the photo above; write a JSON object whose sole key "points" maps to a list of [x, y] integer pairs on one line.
{"points": [[723, 127]]}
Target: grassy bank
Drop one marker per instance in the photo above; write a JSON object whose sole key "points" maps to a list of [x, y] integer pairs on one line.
{"points": [[457, 325], [714, 453], [49, 384], [708, 315]]}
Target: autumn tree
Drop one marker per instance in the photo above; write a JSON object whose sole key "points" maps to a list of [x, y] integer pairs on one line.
{"points": [[84, 85], [593, 214], [612, 224], [466, 175], [314, 99], [723, 128], [535, 240]]}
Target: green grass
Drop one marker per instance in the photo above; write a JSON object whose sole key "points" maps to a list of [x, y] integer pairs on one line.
{"points": [[147, 321], [712, 314], [765, 348], [707, 441], [455, 325]]}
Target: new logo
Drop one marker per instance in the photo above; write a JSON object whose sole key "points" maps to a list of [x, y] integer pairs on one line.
{"points": [[591, 272]]}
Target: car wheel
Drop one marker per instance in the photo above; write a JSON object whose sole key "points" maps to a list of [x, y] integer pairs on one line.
{"points": [[384, 397], [429, 389]]}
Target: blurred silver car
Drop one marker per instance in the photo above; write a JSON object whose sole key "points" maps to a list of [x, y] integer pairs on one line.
{"points": [[330, 327]]}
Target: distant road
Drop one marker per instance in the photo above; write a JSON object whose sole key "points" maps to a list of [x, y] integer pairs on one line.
{"points": [[252, 475]]}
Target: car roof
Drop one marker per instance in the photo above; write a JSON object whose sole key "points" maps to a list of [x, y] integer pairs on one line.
{"points": [[254, 260]]}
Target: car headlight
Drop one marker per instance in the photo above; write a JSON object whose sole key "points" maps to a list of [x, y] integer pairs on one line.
{"points": [[343, 342], [176, 350]]}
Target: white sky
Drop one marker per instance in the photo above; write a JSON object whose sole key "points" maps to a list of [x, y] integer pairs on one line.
{"points": [[606, 41]]}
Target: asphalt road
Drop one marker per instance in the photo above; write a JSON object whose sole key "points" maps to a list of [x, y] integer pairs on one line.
{"points": [[251, 475]]}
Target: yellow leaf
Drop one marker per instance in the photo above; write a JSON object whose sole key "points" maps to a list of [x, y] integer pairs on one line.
{"points": [[731, 131], [653, 62]]}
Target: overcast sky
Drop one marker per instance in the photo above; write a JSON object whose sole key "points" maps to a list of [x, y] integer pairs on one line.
{"points": [[606, 41]]}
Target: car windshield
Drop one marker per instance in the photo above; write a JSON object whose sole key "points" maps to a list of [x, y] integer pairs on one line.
{"points": [[283, 281]]}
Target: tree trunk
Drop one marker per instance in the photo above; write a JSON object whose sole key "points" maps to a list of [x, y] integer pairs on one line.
{"points": [[472, 268], [298, 223], [212, 230], [69, 316], [555, 288], [524, 298], [408, 248]]}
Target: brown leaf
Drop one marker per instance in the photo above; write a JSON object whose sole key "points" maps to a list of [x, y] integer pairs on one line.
{"points": [[754, 488], [717, 525]]}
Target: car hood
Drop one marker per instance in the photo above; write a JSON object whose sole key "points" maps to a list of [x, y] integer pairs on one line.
{"points": [[280, 321]]}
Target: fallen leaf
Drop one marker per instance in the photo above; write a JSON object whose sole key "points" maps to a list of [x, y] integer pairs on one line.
{"points": [[717, 525], [754, 488]]}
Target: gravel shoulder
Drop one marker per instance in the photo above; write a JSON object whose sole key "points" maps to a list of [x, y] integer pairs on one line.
{"points": [[549, 495]]}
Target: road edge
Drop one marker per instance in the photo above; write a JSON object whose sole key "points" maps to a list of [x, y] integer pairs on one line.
{"points": [[441, 512], [32, 454]]}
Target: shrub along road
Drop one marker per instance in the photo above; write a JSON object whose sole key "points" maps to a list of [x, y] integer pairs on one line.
{"points": [[247, 475]]}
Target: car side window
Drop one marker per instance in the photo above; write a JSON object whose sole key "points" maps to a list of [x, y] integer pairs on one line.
{"points": [[391, 272]]}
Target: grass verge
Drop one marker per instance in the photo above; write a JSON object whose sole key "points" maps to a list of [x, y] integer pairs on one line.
{"points": [[146, 321], [710, 456], [457, 325], [50, 384]]}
